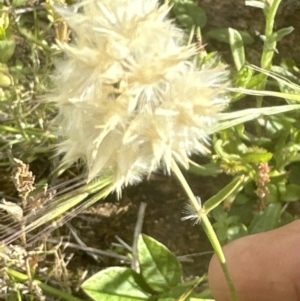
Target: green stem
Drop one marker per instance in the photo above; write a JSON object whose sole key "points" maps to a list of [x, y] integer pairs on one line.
{"points": [[211, 234], [46, 288], [209, 231], [186, 186], [269, 45]]}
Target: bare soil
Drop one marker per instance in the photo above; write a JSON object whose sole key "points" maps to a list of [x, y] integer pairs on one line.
{"points": [[165, 201]]}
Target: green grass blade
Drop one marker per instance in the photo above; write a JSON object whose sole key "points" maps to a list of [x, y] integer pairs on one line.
{"points": [[223, 194]]}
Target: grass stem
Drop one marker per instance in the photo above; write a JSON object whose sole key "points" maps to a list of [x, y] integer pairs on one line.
{"points": [[206, 224]]}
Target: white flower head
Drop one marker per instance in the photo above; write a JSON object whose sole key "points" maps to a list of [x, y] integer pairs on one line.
{"points": [[130, 96]]}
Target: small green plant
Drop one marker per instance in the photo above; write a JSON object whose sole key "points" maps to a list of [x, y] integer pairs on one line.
{"points": [[266, 151], [158, 277]]}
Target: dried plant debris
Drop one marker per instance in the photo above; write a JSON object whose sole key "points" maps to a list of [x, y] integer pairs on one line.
{"points": [[15, 216], [16, 257], [23, 179], [41, 263], [37, 202], [24, 182]]}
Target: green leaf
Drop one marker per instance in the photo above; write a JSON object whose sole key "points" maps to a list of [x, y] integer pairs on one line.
{"points": [[236, 231], [221, 232], [116, 284], [272, 196], [210, 169], [7, 49], [266, 220], [219, 214], [223, 194], [2, 33], [281, 33], [18, 3], [237, 48], [256, 157], [4, 19], [294, 173], [222, 35], [189, 14], [177, 293], [292, 193], [185, 291], [159, 267]]}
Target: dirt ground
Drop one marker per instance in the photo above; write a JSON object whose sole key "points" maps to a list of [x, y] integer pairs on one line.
{"points": [[165, 205]]}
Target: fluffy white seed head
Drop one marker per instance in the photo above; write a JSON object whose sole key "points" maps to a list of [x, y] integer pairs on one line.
{"points": [[129, 94]]}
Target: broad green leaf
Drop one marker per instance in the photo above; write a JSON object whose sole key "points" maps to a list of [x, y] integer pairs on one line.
{"points": [[219, 34], [210, 169], [185, 291], [219, 145], [237, 48], [2, 33], [189, 14], [243, 77], [4, 17], [236, 231], [266, 220], [223, 194], [159, 267], [178, 292], [292, 193], [272, 196], [116, 284], [219, 214], [17, 3], [241, 132], [221, 231], [244, 212], [222, 35], [7, 49], [294, 174], [256, 157], [281, 33]]}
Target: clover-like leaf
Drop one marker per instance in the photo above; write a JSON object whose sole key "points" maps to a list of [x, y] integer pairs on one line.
{"points": [[116, 284], [266, 220], [160, 268]]}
